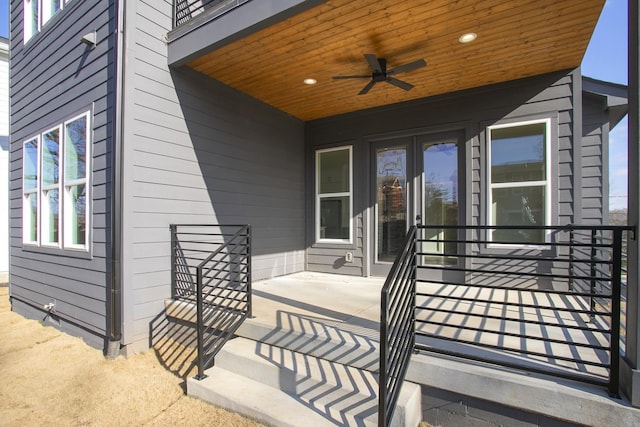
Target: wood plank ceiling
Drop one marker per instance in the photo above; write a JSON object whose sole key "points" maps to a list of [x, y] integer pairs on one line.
{"points": [[516, 39]]}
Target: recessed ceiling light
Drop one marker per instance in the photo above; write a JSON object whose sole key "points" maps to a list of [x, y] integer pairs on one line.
{"points": [[310, 81], [467, 38]]}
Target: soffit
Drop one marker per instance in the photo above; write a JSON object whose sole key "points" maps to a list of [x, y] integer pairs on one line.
{"points": [[516, 39]]}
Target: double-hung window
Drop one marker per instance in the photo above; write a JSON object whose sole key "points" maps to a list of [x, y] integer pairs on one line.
{"points": [[37, 13], [55, 183], [519, 184], [334, 183]]}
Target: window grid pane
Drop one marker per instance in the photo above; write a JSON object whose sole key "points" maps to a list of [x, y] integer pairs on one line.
{"points": [[50, 8], [75, 149], [30, 165], [51, 217], [518, 153], [51, 157], [334, 171], [31, 18], [76, 215], [30, 219]]}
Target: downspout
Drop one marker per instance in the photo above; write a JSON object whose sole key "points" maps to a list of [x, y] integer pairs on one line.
{"points": [[114, 326]]}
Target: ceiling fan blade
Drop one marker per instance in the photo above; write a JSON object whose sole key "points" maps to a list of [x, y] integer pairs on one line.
{"points": [[408, 67], [400, 83], [374, 63], [367, 88], [351, 77]]}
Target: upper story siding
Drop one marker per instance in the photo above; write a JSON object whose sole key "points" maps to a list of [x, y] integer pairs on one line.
{"points": [[54, 77]]}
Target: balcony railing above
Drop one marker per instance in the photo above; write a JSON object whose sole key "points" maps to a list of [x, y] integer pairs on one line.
{"points": [[185, 10]]}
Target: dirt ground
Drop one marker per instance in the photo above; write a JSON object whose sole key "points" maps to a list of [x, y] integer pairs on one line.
{"points": [[50, 378]]}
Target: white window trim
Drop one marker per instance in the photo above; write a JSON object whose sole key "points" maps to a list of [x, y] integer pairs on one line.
{"points": [[318, 197], [520, 184], [68, 184], [63, 186], [26, 219]]}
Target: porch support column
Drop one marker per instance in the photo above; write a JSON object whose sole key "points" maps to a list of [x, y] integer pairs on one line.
{"points": [[630, 366]]}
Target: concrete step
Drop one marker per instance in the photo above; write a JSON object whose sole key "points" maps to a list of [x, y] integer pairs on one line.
{"points": [[282, 387], [340, 342], [337, 342]]}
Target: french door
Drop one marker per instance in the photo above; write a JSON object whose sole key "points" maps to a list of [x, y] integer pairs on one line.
{"points": [[416, 179]]}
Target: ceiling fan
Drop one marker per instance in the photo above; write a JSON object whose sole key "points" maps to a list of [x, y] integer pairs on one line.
{"points": [[379, 73]]}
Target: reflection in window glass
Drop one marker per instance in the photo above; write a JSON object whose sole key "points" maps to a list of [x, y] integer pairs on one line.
{"points": [[31, 218], [31, 17], [50, 157], [77, 211], [518, 206], [75, 149], [49, 8], [30, 171], [334, 171], [440, 201], [50, 217], [518, 153], [391, 211]]}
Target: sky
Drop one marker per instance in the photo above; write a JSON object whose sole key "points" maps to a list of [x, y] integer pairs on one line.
{"points": [[605, 59]]}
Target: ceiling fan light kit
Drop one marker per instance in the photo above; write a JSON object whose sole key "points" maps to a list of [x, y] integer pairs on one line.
{"points": [[379, 73]]}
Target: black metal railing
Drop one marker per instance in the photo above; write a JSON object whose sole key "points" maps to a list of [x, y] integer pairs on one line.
{"points": [[186, 10], [211, 268], [397, 337], [543, 299]]}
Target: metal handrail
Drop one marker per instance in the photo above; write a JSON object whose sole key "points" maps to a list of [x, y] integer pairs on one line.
{"points": [[222, 287], [582, 296], [397, 336], [186, 10]]}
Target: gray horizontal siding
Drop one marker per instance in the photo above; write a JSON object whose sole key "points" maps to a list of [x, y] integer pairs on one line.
{"points": [[54, 77], [470, 111], [200, 152], [595, 143]]}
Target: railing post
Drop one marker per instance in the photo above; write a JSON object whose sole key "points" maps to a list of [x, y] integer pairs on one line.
{"points": [[199, 324], [249, 286], [571, 256], [384, 356], [173, 14], [616, 289], [592, 287], [174, 273]]}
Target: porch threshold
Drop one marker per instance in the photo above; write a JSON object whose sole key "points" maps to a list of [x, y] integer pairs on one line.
{"points": [[564, 400]]}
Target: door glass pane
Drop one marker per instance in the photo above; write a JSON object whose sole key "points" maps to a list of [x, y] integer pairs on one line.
{"points": [[391, 212], [440, 201]]}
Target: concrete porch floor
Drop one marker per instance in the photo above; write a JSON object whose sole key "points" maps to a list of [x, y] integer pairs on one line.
{"points": [[336, 318]]}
